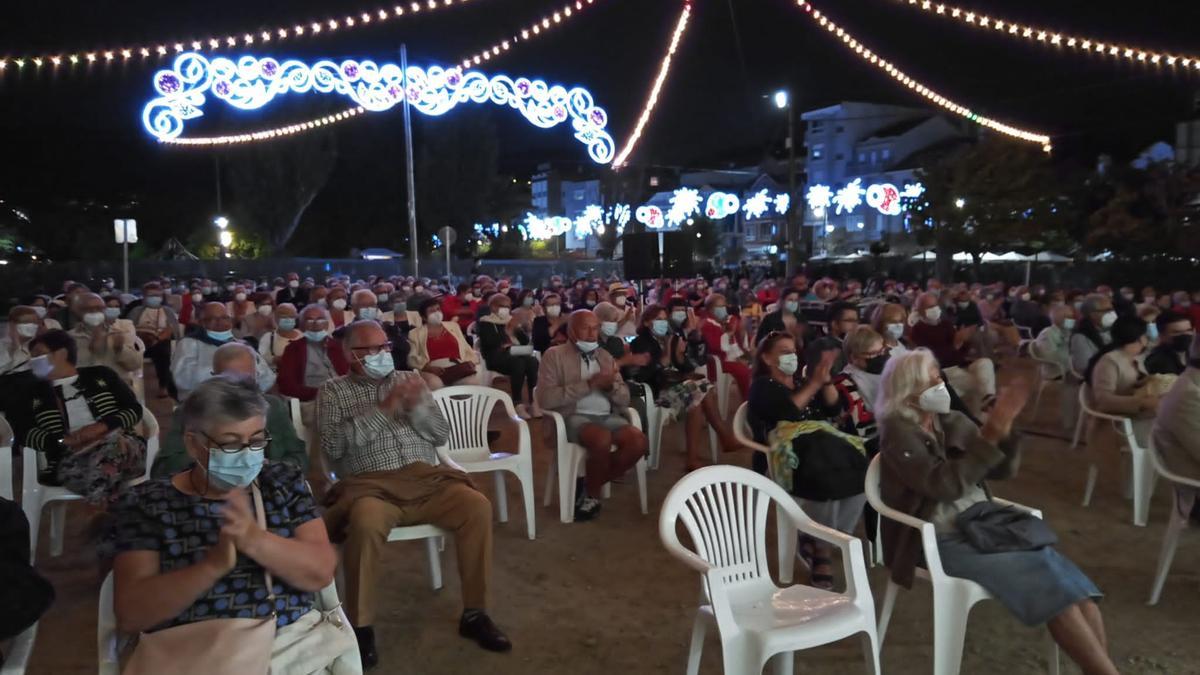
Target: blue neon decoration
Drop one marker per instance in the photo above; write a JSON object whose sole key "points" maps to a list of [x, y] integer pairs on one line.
{"points": [[251, 83]]}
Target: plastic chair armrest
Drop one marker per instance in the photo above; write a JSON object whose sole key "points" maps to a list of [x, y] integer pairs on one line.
{"points": [[1036, 513], [560, 427]]}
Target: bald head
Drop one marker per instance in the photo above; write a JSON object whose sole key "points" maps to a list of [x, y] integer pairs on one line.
{"points": [[606, 311], [583, 325], [214, 316], [360, 339], [234, 358], [85, 302]]}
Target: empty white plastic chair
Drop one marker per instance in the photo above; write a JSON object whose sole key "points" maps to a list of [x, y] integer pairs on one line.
{"points": [[1176, 523], [467, 409], [20, 648], [8, 486], [108, 643], [657, 420], [1140, 481], [1048, 371], [570, 463], [35, 496], [953, 597], [724, 510]]}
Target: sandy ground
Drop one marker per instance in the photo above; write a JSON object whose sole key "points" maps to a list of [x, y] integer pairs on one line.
{"points": [[604, 597]]}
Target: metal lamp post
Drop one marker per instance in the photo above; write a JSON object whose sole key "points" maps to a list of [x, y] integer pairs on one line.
{"points": [[783, 101], [125, 232]]}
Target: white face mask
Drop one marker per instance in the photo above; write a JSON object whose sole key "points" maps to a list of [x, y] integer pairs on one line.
{"points": [[40, 311], [340, 303], [935, 399], [619, 301], [265, 310], [1025, 297], [608, 328], [789, 364], [933, 314], [294, 283], [1109, 318], [504, 312], [240, 297], [553, 310], [40, 366], [434, 319], [197, 298], [93, 318], [27, 330], [895, 330]]}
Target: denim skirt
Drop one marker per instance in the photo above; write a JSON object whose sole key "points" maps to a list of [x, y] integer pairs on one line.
{"points": [[1035, 586]]}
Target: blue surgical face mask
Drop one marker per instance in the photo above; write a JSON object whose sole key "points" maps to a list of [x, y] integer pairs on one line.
{"points": [[287, 324], [720, 313], [679, 317], [153, 300], [792, 306], [112, 313], [587, 347], [660, 327], [234, 469], [368, 313], [1152, 331], [1068, 324], [789, 364], [379, 366], [315, 335], [220, 335]]}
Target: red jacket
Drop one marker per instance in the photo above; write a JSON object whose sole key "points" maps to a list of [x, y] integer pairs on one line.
{"points": [[294, 362]]}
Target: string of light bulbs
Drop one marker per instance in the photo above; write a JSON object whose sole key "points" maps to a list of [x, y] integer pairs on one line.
{"points": [[655, 89], [233, 40], [900, 76], [535, 29], [1054, 38]]}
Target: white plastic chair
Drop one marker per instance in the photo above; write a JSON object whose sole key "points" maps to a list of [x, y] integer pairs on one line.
{"points": [[1176, 523], [20, 648], [8, 486], [953, 597], [297, 421], [108, 643], [467, 410], [724, 510], [35, 496], [1141, 477], [570, 463], [1048, 371], [723, 381]]}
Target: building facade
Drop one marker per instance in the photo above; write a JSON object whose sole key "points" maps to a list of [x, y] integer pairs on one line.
{"points": [[861, 168]]}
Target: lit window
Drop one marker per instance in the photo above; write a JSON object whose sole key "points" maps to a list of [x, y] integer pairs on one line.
{"points": [[818, 151]]}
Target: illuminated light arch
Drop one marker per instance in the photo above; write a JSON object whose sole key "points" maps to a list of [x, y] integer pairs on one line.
{"points": [[251, 83]]}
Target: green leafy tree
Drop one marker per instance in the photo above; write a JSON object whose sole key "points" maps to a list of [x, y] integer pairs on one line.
{"points": [[1151, 211], [274, 183]]}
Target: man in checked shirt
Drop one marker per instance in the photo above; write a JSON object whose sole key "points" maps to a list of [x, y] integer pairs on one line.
{"points": [[381, 429]]}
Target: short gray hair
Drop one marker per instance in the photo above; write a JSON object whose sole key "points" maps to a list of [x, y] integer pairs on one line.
{"points": [[1089, 304], [230, 351], [222, 398], [606, 311], [904, 378]]}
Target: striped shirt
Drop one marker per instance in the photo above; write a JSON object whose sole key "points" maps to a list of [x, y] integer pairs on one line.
{"points": [[362, 438]]}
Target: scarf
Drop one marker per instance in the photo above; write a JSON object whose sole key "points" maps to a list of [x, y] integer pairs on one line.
{"points": [[782, 456], [868, 384]]}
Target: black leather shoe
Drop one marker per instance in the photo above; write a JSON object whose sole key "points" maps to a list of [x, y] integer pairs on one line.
{"points": [[479, 627], [366, 646]]}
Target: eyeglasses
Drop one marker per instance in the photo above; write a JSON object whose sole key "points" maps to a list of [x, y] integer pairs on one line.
{"points": [[256, 445], [316, 323], [372, 350]]}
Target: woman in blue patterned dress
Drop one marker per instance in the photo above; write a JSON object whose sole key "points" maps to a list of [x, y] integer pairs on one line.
{"points": [[189, 548]]}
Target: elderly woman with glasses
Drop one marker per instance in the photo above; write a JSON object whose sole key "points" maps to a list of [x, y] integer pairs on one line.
{"points": [[934, 462], [193, 548]]}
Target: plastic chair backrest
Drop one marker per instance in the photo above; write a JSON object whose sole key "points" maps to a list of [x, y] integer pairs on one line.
{"points": [[8, 483], [297, 423], [742, 431], [933, 561], [467, 410], [724, 510]]}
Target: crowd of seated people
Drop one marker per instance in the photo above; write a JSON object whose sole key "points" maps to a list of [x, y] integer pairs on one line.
{"points": [[832, 374]]}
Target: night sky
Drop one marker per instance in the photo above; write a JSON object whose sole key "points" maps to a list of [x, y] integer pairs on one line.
{"points": [[67, 134]]}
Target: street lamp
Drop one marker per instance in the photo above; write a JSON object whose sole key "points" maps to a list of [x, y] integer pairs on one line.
{"points": [[960, 202], [225, 237], [221, 222], [783, 101]]}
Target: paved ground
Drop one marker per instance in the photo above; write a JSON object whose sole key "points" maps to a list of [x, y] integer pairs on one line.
{"points": [[603, 597]]}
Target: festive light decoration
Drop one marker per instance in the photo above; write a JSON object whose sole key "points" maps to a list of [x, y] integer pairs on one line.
{"points": [[874, 59], [252, 83], [783, 202], [231, 40], [757, 204], [651, 216], [1052, 38], [591, 220], [656, 88], [721, 204], [535, 29], [883, 197], [684, 202]]}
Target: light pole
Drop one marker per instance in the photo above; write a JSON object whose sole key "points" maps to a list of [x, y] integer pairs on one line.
{"points": [[125, 230], [783, 101]]}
